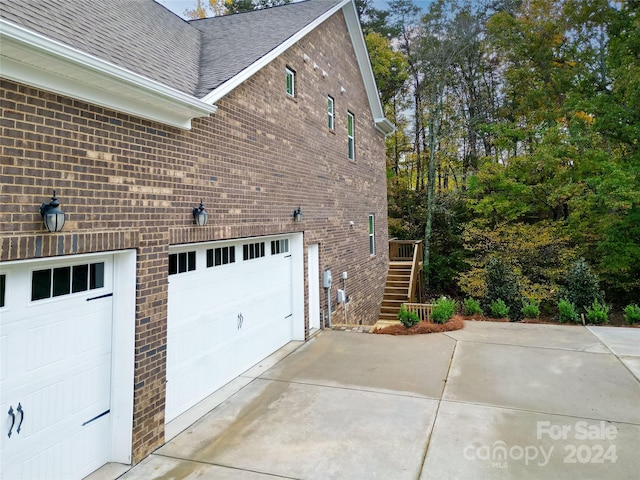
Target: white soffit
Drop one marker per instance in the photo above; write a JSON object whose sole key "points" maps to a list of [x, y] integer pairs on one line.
{"points": [[33, 59]]}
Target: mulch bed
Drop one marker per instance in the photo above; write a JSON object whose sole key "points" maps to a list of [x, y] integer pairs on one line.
{"points": [[455, 323]]}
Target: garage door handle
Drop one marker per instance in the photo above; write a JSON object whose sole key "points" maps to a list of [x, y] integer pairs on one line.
{"points": [[240, 321], [101, 296], [19, 409], [13, 420]]}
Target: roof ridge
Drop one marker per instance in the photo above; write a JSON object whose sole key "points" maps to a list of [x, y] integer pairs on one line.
{"points": [[255, 10]]}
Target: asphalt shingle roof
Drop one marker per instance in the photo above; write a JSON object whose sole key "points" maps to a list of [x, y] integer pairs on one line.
{"points": [[233, 42], [139, 35], [144, 37]]}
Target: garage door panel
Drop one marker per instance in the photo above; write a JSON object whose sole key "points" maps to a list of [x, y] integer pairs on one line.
{"points": [[242, 314], [46, 345], [56, 363]]}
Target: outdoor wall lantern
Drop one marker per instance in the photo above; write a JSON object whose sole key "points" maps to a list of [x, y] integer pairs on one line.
{"points": [[52, 216], [200, 216], [297, 215]]}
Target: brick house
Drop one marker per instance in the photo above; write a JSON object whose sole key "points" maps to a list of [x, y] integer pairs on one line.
{"points": [[132, 313]]}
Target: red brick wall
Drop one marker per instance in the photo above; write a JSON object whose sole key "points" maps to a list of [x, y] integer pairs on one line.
{"points": [[125, 182]]}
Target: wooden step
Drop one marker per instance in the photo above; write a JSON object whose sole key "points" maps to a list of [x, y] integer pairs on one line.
{"points": [[396, 291], [398, 278], [395, 263], [395, 296]]}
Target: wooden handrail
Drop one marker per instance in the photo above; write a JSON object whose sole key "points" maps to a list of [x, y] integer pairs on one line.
{"points": [[414, 270], [402, 250]]}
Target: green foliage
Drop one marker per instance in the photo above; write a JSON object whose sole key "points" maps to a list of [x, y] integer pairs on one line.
{"points": [[502, 284], [530, 309], [472, 307], [539, 141], [444, 310], [389, 66], [542, 253], [567, 312], [632, 314], [582, 286], [498, 309], [407, 318], [598, 313]]}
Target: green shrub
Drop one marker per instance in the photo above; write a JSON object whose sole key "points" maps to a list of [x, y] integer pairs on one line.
{"points": [[472, 307], [567, 312], [502, 284], [444, 310], [598, 313], [632, 314], [583, 287], [407, 318], [530, 309], [499, 309]]}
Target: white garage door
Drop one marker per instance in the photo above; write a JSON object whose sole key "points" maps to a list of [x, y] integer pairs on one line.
{"points": [[55, 367], [230, 305]]}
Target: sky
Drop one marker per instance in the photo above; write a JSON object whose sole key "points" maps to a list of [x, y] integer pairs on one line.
{"points": [[179, 6]]}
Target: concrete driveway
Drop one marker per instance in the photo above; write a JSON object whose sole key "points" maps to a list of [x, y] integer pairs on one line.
{"points": [[492, 401]]}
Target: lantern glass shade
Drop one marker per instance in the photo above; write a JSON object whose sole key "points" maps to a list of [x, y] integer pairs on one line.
{"points": [[54, 220], [201, 218], [52, 216], [297, 215], [200, 215]]}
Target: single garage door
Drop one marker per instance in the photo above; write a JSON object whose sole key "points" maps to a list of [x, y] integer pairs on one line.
{"points": [[55, 367], [230, 305]]}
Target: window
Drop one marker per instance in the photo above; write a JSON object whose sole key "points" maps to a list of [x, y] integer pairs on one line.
{"points": [[3, 286], [182, 262], [291, 82], [330, 113], [221, 256], [252, 250], [279, 246], [55, 282], [351, 135], [372, 240]]}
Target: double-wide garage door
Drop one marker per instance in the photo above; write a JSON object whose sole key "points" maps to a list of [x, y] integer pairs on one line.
{"points": [[55, 367], [230, 305]]}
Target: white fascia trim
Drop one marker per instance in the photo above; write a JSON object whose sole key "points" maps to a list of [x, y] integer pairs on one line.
{"points": [[362, 55], [101, 82], [255, 67]]}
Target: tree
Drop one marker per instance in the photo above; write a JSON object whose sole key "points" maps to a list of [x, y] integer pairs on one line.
{"points": [[217, 8]]}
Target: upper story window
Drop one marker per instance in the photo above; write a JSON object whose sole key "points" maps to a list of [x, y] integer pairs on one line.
{"points": [[372, 235], [291, 82], [330, 112], [182, 262], [351, 134]]}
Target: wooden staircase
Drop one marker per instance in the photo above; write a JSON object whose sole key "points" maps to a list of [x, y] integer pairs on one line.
{"points": [[404, 277]]}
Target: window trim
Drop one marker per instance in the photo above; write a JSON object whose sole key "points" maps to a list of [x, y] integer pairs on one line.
{"points": [[290, 74], [351, 136], [331, 113], [372, 234]]}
